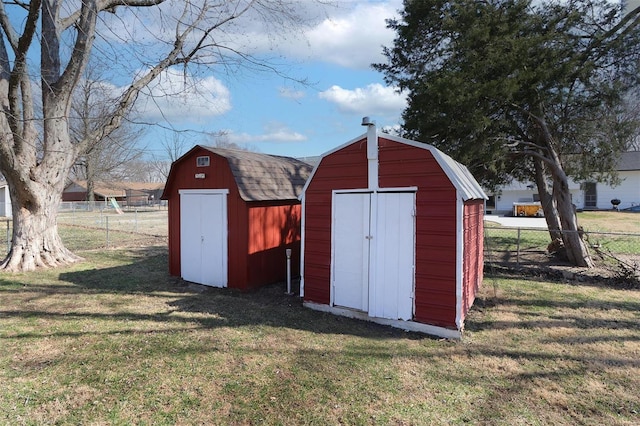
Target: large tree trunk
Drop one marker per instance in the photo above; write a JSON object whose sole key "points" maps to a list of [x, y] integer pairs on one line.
{"points": [[36, 242], [36, 192], [546, 200], [575, 247]]}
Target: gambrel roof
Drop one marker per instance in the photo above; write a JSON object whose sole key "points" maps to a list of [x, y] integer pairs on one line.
{"points": [[265, 177], [458, 174]]}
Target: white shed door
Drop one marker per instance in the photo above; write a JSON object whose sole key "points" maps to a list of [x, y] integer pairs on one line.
{"points": [[203, 241], [351, 217], [374, 253], [391, 294]]}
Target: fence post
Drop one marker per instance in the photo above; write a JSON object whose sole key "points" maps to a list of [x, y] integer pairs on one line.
{"points": [[518, 249], [8, 238], [107, 225]]}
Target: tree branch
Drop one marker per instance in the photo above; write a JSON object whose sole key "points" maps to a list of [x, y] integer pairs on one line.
{"points": [[129, 97], [627, 24], [81, 50], [102, 5], [8, 29], [19, 107]]}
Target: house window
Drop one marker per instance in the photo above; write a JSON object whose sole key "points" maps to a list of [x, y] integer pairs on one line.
{"points": [[202, 161], [491, 202], [590, 195]]}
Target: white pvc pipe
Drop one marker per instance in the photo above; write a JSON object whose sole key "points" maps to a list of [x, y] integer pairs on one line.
{"points": [[288, 253]]}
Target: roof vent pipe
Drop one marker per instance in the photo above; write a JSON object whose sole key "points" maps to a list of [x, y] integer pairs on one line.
{"points": [[372, 152]]}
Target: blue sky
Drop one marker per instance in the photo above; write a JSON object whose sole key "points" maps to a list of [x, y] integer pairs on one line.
{"points": [[274, 115], [262, 111]]}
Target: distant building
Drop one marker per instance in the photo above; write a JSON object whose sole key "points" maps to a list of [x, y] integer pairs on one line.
{"points": [[5, 200], [587, 195], [125, 193]]}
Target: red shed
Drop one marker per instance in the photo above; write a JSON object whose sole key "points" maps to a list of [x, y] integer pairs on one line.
{"points": [[392, 233], [232, 214]]}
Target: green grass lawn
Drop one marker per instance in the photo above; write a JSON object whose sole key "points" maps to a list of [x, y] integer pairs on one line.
{"points": [[615, 232], [114, 340]]}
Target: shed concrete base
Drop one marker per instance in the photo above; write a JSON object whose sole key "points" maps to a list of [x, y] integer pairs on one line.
{"points": [[446, 333]]}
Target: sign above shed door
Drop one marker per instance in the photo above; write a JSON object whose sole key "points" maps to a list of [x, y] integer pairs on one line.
{"points": [[374, 252]]}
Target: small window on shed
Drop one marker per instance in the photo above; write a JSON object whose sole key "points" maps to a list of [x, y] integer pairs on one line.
{"points": [[202, 161]]}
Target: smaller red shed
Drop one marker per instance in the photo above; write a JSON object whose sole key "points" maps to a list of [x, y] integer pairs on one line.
{"points": [[393, 233], [232, 215]]}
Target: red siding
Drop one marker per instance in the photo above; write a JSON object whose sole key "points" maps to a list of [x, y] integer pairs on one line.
{"points": [[435, 277], [217, 176], [400, 166], [272, 230], [344, 169], [473, 260], [258, 232]]}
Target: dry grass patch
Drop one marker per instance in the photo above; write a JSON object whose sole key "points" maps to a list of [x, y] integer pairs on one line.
{"points": [[114, 340], [610, 221]]}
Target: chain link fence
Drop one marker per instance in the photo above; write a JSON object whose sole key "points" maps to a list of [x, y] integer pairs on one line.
{"points": [[83, 228], [521, 246]]}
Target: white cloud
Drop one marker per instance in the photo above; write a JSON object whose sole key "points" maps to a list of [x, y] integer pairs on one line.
{"points": [[177, 97], [374, 99], [350, 35], [289, 93], [354, 39], [273, 132]]}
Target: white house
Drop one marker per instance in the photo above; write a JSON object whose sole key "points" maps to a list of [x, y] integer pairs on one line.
{"points": [[599, 195], [5, 200], [588, 195]]}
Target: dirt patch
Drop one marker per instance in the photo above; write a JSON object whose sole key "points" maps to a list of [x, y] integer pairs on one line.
{"points": [[622, 272]]}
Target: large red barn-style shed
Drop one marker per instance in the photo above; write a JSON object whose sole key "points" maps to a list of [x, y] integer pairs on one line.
{"points": [[392, 232], [232, 215]]}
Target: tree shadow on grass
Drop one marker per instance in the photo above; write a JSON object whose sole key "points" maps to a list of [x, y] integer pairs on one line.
{"points": [[215, 307], [145, 270], [192, 307]]}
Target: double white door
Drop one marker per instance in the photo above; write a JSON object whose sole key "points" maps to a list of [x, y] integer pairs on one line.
{"points": [[203, 237], [373, 253]]}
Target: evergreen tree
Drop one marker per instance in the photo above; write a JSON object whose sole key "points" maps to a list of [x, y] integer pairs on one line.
{"points": [[521, 89]]}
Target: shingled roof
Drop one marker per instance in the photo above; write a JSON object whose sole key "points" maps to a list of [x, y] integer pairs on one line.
{"points": [[629, 161], [264, 177], [114, 188]]}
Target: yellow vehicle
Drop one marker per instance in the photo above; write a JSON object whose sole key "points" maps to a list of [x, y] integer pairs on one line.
{"points": [[528, 209]]}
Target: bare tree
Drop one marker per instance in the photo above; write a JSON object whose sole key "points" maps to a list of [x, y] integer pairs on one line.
{"points": [[139, 171], [176, 145], [173, 147], [632, 114], [63, 34], [221, 140], [103, 159]]}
